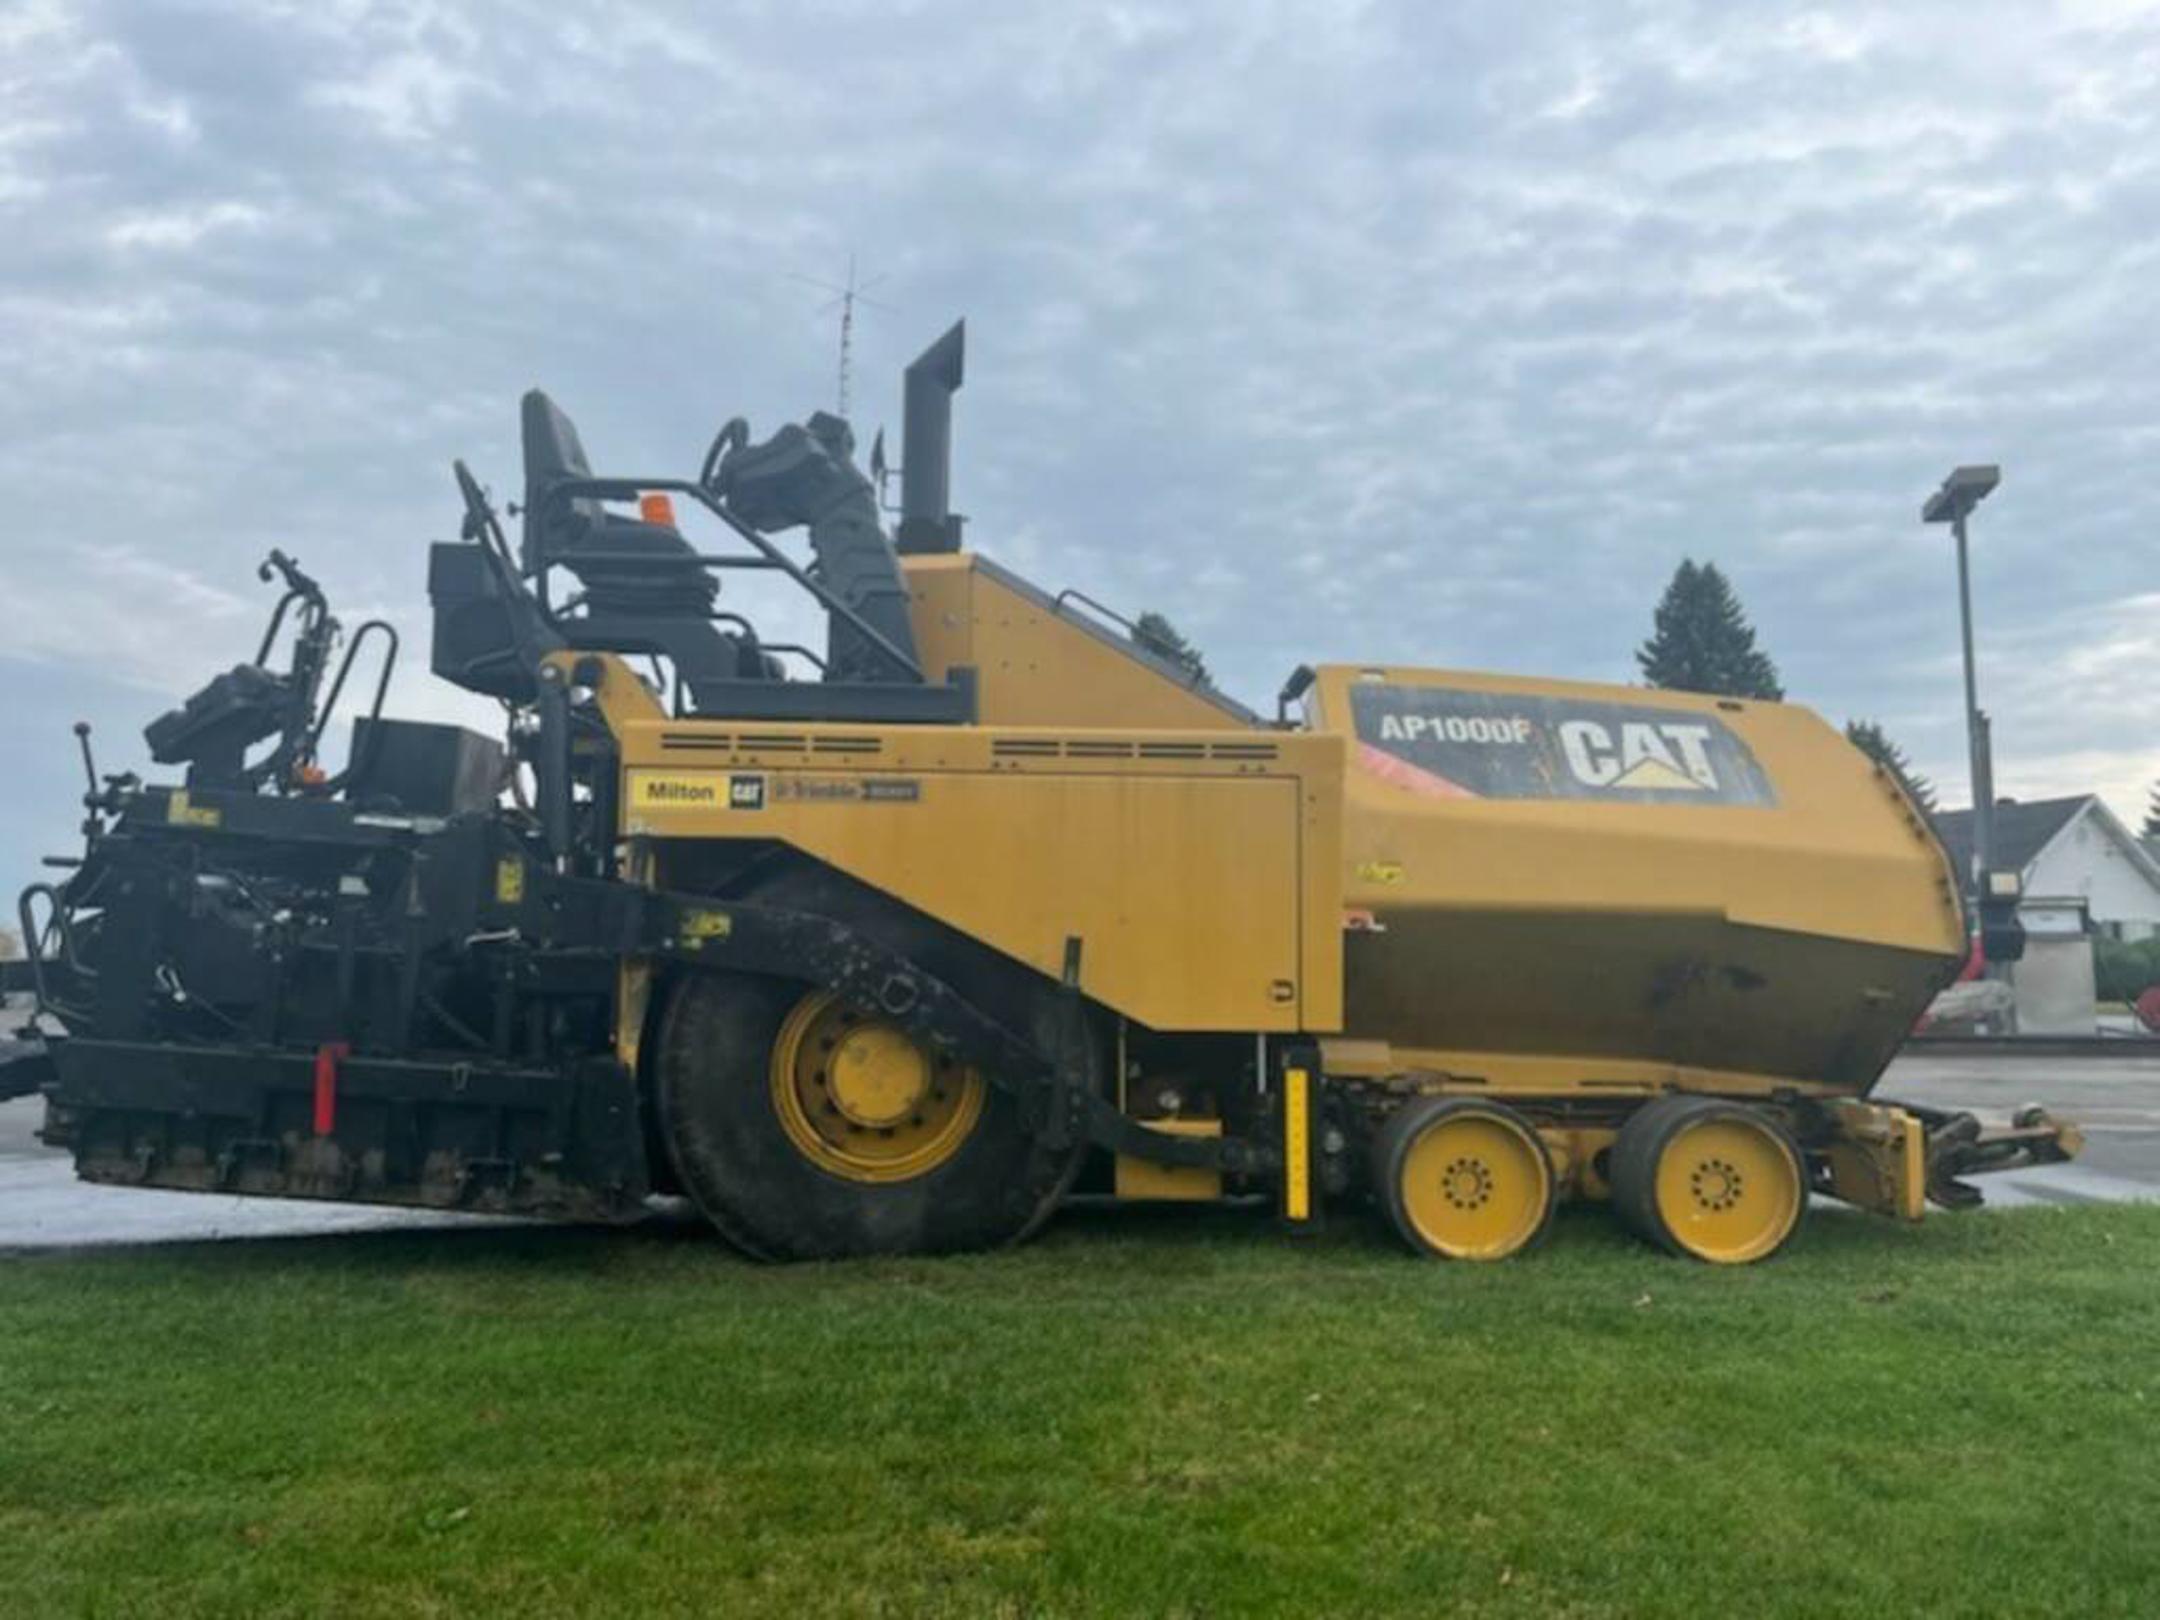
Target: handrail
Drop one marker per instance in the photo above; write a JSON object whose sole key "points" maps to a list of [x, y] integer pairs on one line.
{"points": [[361, 748], [565, 490], [1140, 639], [1058, 603]]}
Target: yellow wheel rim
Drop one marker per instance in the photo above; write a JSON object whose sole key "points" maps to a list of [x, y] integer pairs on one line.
{"points": [[1728, 1190], [1476, 1186], [862, 1099]]}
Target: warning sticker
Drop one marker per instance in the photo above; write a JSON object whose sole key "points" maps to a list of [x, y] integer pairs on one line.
{"points": [[1450, 743]]}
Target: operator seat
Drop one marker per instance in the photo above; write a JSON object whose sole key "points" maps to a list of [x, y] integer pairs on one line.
{"points": [[644, 589], [625, 564]]}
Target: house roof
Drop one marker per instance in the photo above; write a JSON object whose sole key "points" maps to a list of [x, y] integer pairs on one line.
{"points": [[2023, 828]]}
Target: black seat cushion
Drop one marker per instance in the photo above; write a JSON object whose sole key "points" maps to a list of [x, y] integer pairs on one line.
{"points": [[625, 565]]}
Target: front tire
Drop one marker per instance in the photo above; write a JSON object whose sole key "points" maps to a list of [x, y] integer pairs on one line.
{"points": [[807, 1129], [1709, 1179]]}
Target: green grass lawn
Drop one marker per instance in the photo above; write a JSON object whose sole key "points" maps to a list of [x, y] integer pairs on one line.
{"points": [[1140, 1414]]}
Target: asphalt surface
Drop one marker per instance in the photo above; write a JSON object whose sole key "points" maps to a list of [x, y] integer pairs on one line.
{"points": [[2115, 1100], [43, 1206]]}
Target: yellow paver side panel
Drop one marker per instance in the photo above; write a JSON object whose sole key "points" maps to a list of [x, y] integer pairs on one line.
{"points": [[1608, 873], [1185, 889], [1033, 665], [1818, 842]]}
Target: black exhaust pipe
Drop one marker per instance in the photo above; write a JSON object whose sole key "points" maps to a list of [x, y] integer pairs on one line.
{"points": [[927, 522]]}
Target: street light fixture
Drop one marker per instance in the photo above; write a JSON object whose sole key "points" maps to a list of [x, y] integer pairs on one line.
{"points": [[1963, 490]]}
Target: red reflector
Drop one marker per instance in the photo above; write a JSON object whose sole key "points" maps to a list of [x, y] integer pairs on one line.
{"points": [[327, 1057]]}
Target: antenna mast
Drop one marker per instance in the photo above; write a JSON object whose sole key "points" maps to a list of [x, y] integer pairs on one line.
{"points": [[845, 298], [847, 334]]}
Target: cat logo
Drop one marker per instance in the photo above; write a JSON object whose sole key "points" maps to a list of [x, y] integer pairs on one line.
{"points": [[746, 793], [1446, 742], [1660, 757]]}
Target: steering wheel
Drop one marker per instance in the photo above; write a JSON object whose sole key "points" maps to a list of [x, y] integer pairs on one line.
{"points": [[731, 437], [479, 522]]}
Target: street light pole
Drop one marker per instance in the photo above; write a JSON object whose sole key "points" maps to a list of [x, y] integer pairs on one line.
{"points": [[1963, 490], [1983, 787]]}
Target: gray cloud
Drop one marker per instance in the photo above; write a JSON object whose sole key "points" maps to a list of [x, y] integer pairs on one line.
{"points": [[1362, 331]]}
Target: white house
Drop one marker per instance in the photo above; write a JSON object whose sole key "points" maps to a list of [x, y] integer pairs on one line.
{"points": [[2083, 873]]}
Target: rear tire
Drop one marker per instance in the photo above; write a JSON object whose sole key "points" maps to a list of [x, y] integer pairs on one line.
{"points": [[788, 1168], [1709, 1179], [1464, 1179]]}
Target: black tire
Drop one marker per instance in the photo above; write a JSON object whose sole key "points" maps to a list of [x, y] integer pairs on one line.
{"points": [[1643, 1142], [1409, 1124], [737, 1162]]}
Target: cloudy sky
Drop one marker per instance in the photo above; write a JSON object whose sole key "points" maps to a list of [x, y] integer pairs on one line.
{"points": [[1427, 333]]}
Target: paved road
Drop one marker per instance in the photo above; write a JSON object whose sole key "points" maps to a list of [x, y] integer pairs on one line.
{"points": [[2116, 1100]]}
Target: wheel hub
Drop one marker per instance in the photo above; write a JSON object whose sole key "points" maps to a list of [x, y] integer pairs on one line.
{"points": [[861, 1099], [1716, 1184], [1468, 1183], [876, 1076]]}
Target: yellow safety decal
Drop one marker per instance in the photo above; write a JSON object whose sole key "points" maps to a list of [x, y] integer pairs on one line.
{"points": [[633, 995], [1912, 1178], [180, 813], [1389, 873], [700, 926], [509, 880], [1297, 1145], [649, 791]]}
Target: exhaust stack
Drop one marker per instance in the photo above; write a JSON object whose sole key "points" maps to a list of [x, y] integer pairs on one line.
{"points": [[927, 522]]}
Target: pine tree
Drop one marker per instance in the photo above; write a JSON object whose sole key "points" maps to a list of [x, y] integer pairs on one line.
{"points": [[1703, 641], [1160, 637], [2150, 832], [1872, 741]]}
